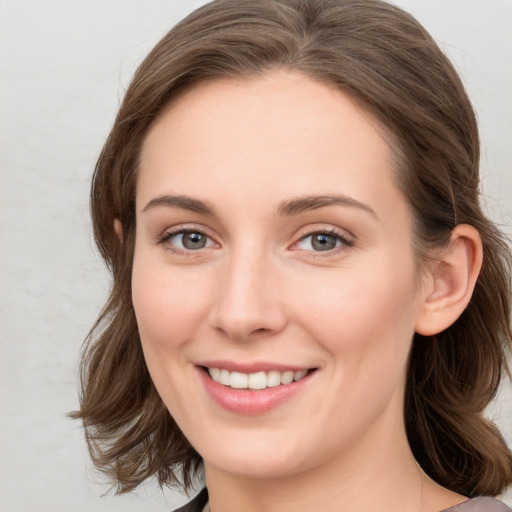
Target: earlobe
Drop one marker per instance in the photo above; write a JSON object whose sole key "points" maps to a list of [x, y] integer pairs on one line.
{"points": [[118, 228], [451, 281]]}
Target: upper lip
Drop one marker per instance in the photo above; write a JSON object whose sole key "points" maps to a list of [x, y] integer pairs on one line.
{"points": [[252, 367]]}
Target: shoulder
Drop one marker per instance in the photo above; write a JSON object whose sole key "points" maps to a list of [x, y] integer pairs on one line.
{"points": [[471, 505], [480, 505], [197, 504]]}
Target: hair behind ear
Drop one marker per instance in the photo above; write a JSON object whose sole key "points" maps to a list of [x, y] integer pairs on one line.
{"points": [[452, 377]]}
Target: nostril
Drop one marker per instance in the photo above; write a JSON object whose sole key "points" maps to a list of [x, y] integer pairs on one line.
{"points": [[260, 330]]}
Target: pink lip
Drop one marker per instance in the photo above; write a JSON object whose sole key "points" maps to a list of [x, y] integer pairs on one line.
{"points": [[253, 367], [251, 402]]}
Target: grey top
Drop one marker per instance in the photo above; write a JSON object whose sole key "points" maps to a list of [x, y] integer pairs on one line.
{"points": [[470, 505], [479, 505]]}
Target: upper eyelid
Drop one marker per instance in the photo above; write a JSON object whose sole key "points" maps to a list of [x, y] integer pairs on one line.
{"points": [[331, 230], [171, 234], [303, 233], [348, 241], [164, 240], [185, 228], [342, 238]]}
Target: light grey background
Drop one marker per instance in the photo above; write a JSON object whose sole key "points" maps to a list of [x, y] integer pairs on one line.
{"points": [[63, 68]]}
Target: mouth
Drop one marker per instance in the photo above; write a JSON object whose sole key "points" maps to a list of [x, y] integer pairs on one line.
{"points": [[253, 388], [255, 381]]}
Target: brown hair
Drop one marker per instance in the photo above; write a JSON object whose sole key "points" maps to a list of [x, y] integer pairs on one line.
{"points": [[385, 60]]}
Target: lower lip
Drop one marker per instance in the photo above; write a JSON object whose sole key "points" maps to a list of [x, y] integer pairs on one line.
{"points": [[250, 403]]}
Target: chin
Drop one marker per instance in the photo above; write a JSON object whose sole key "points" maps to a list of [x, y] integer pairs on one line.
{"points": [[257, 459], [257, 467]]}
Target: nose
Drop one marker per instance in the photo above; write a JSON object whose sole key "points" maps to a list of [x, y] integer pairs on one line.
{"points": [[248, 303]]}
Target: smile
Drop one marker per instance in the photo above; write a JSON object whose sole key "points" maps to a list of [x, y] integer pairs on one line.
{"points": [[255, 381], [253, 389]]}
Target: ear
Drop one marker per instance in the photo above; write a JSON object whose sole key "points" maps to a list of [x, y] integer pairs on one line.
{"points": [[118, 228], [450, 281]]}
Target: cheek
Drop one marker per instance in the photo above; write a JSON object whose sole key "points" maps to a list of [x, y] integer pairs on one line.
{"points": [[168, 305], [365, 314]]}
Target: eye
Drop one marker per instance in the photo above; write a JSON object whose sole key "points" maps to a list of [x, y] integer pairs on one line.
{"points": [[323, 242], [188, 240]]}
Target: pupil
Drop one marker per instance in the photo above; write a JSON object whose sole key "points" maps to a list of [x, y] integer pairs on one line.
{"points": [[323, 242], [194, 240]]}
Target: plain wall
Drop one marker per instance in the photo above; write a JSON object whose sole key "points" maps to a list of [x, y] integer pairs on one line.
{"points": [[63, 68]]}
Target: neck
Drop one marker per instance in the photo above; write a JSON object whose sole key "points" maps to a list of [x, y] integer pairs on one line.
{"points": [[386, 477]]}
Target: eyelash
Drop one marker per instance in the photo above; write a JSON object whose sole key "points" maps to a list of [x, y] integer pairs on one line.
{"points": [[182, 231], [345, 243]]}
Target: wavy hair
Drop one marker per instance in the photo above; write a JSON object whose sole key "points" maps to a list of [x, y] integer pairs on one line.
{"points": [[387, 62]]}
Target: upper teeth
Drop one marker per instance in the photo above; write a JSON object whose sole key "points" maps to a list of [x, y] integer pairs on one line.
{"points": [[259, 380]]}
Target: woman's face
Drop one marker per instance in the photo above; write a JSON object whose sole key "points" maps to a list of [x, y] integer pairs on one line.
{"points": [[272, 244]]}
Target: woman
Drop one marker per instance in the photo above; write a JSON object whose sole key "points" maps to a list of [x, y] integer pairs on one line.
{"points": [[307, 298]]}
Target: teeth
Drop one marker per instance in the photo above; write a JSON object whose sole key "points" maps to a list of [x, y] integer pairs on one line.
{"points": [[224, 378], [300, 375], [259, 380], [215, 374], [273, 379], [286, 377], [239, 380]]}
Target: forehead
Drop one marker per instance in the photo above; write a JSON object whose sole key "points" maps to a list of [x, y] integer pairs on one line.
{"points": [[278, 135]]}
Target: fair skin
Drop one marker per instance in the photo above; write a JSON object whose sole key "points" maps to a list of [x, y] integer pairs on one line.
{"points": [[235, 270]]}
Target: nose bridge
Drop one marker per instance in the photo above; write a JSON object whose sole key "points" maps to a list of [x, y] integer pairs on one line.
{"points": [[247, 301]]}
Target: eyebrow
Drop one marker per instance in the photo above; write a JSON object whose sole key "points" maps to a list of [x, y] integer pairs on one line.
{"points": [[183, 202], [306, 203], [286, 208]]}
